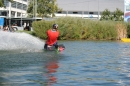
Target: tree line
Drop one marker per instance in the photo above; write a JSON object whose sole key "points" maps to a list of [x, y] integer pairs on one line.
{"points": [[117, 15], [2, 3], [45, 8]]}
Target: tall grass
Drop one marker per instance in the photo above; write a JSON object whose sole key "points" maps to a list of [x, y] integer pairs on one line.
{"points": [[40, 28], [77, 28]]}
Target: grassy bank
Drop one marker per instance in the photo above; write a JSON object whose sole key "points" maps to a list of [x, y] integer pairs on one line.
{"points": [[77, 28]]}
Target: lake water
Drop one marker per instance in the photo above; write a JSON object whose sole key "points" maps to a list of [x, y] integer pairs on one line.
{"points": [[83, 63]]}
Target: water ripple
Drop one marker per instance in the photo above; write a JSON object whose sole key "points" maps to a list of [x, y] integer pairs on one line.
{"points": [[85, 63]]}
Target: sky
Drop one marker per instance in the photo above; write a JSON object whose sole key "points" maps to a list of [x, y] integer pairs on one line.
{"points": [[90, 5]]}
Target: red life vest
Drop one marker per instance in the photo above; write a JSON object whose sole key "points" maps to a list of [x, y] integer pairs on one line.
{"points": [[52, 37]]}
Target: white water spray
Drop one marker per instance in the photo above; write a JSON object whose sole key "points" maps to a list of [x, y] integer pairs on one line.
{"points": [[14, 41]]}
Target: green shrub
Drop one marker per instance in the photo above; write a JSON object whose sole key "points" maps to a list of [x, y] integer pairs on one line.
{"points": [[40, 28], [77, 28]]}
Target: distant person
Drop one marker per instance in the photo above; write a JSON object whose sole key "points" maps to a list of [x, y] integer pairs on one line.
{"points": [[28, 24], [28, 27], [52, 36], [6, 28], [24, 26]]}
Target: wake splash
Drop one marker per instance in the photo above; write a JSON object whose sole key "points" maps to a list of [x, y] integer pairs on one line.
{"points": [[20, 41]]}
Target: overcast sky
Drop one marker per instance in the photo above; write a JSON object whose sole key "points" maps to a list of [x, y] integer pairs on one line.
{"points": [[91, 5]]}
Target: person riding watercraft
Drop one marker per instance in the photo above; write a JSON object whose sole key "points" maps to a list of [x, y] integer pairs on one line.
{"points": [[52, 36]]}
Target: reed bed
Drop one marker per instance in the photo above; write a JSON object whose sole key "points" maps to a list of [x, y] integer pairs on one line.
{"points": [[82, 29]]}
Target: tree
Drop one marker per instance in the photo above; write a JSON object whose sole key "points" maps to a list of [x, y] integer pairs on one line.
{"points": [[44, 8], [106, 15], [30, 9], [118, 15], [2, 2]]}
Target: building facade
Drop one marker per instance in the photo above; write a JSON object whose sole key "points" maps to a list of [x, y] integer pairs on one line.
{"points": [[15, 9], [88, 8]]}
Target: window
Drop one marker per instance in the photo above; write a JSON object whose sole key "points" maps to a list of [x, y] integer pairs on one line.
{"points": [[18, 14], [25, 0], [59, 12], [85, 12], [75, 12], [13, 4], [4, 13], [19, 5], [24, 7], [6, 3], [12, 14], [90, 12]]}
